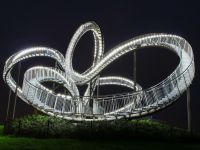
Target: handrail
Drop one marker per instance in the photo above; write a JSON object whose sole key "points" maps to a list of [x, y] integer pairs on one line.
{"points": [[138, 103]]}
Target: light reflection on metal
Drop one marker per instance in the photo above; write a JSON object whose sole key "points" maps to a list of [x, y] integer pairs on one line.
{"points": [[108, 107]]}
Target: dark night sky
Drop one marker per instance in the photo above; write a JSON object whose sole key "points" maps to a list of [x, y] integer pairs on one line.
{"points": [[52, 24]]}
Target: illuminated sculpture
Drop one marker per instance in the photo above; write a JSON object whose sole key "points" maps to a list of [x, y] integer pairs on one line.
{"points": [[90, 107]]}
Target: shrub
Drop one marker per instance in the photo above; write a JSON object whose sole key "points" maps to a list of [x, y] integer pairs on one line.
{"points": [[41, 126], [47, 126]]}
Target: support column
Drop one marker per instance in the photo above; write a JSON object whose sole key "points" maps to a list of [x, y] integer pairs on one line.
{"points": [[17, 84], [7, 112], [91, 100], [8, 106], [134, 69], [189, 119], [97, 83]]}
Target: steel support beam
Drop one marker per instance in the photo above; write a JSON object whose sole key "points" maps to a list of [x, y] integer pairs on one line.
{"points": [[134, 69], [189, 110], [15, 100]]}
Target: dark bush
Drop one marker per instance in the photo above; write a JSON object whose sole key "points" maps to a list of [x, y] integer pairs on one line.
{"points": [[47, 126], [41, 126]]}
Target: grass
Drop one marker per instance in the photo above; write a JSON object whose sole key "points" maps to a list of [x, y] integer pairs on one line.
{"points": [[1, 129], [11, 142], [22, 143]]}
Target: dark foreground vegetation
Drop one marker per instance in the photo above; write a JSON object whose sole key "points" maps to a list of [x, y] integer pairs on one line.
{"points": [[40, 126], [39, 132]]}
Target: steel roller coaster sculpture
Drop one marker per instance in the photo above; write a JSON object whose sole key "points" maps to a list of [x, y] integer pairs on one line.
{"points": [[91, 107]]}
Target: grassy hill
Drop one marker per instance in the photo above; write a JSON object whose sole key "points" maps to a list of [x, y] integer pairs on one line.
{"points": [[47, 126], [19, 143], [111, 142]]}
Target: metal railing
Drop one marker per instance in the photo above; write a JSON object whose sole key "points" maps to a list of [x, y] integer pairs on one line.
{"points": [[76, 107]]}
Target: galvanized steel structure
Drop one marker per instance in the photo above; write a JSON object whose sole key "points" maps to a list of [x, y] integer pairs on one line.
{"points": [[91, 107]]}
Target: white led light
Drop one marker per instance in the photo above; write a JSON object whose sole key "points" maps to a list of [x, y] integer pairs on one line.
{"points": [[138, 103]]}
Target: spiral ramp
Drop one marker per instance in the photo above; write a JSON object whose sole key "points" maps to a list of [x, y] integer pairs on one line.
{"points": [[72, 106]]}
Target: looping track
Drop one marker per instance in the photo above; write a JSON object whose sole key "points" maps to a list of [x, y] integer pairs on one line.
{"points": [[73, 106]]}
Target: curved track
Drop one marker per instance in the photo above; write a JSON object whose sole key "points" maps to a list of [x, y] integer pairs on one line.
{"points": [[72, 106]]}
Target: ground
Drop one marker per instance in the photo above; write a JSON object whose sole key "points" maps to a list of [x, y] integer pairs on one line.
{"points": [[23, 143]]}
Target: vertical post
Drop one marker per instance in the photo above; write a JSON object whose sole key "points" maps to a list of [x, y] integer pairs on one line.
{"points": [[98, 84], [189, 119], [91, 100], [134, 69], [19, 127], [17, 84], [8, 106], [48, 127], [95, 102], [7, 112]]}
